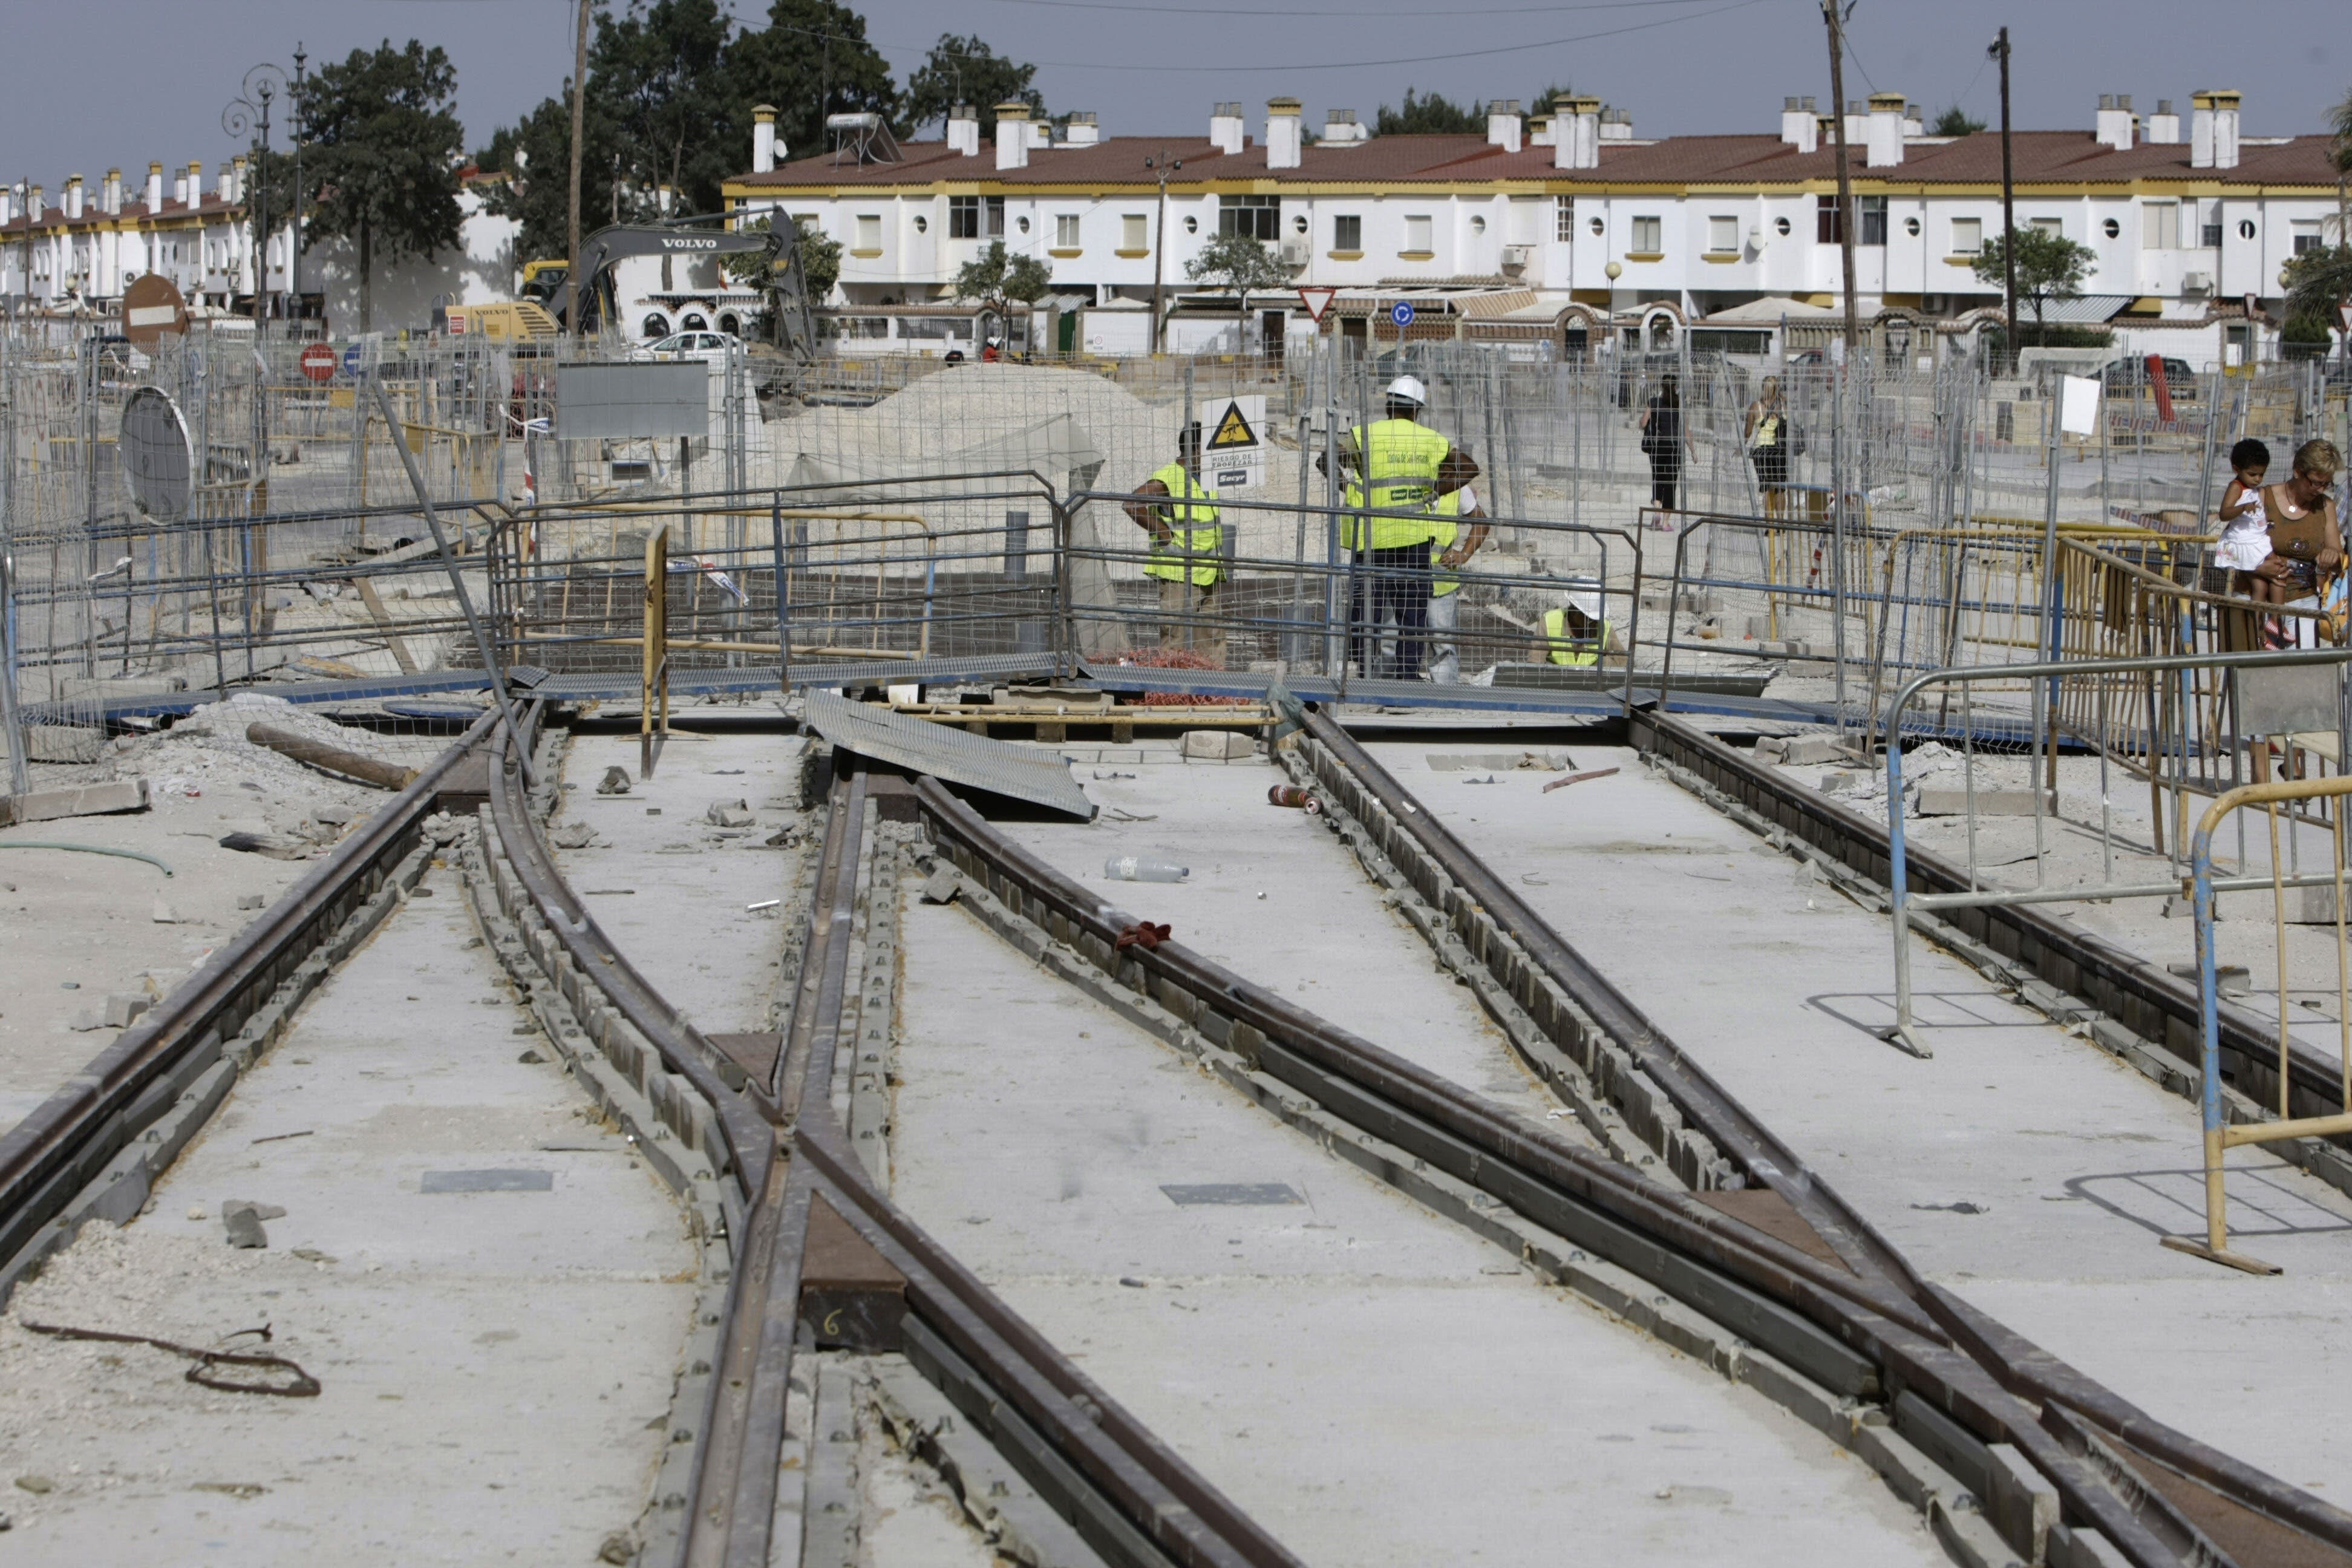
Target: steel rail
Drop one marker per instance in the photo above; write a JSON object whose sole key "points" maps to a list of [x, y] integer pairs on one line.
{"points": [[1136, 1499], [1722, 1266], [2073, 960], [68, 1138]]}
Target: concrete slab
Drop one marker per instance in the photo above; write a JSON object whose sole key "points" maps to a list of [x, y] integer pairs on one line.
{"points": [[2025, 1168], [497, 1365], [672, 889], [1368, 1380]]}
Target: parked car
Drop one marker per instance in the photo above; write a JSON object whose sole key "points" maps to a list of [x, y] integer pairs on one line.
{"points": [[712, 348], [2130, 377]]}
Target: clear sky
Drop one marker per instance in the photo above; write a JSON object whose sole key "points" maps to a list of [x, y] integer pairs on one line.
{"points": [[100, 82]]}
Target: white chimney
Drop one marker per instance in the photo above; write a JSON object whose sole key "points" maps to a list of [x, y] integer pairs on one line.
{"points": [[73, 202], [963, 131], [1576, 133], [2114, 124], [2213, 129], [763, 139], [2163, 126], [1503, 124], [154, 188], [236, 178], [8, 206], [1011, 136], [1857, 126], [1540, 131], [1340, 128], [1883, 135], [1285, 133], [192, 186], [1084, 129], [1225, 127], [1617, 125], [1914, 122], [110, 195], [1041, 133], [1800, 124]]}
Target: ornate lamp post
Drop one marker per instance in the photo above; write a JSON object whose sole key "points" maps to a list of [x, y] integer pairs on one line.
{"points": [[244, 116]]}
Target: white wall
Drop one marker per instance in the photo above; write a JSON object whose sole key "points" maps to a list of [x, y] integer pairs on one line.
{"points": [[481, 270]]}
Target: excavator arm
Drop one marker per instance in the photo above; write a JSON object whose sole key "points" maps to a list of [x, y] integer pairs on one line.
{"points": [[788, 311]]}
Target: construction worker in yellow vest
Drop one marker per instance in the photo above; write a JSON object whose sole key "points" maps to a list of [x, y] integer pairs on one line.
{"points": [[1578, 633], [1181, 514], [1448, 551], [1391, 466]]}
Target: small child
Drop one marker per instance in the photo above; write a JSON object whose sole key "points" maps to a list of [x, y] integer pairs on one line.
{"points": [[2245, 528]]}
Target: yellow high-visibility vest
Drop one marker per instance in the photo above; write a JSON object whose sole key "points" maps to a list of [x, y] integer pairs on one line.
{"points": [[1193, 550], [1447, 509], [1567, 649], [1398, 468]]}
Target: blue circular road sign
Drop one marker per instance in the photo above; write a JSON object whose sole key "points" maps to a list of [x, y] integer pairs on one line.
{"points": [[1401, 312], [351, 360]]}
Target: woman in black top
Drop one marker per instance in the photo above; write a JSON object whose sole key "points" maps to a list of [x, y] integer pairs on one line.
{"points": [[1664, 442], [1768, 444]]}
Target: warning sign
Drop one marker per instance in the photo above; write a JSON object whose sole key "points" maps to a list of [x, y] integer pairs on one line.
{"points": [[1235, 455], [1317, 302], [1233, 430]]}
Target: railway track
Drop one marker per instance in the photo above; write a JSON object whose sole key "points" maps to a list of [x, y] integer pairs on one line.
{"points": [[1681, 1212]]}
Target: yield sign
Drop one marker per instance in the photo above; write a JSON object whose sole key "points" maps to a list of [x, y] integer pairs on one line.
{"points": [[1317, 302]]}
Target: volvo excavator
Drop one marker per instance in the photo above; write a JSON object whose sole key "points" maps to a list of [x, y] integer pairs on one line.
{"points": [[641, 276]]}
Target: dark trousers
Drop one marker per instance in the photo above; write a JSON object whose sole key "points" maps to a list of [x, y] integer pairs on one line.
{"points": [[1394, 584], [1665, 474]]}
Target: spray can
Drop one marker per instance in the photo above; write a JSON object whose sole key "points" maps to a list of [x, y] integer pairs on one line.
{"points": [[1297, 796], [1142, 868]]}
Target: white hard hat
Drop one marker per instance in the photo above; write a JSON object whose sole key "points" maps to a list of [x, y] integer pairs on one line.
{"points": [[1409, 386], [1585, 599]]}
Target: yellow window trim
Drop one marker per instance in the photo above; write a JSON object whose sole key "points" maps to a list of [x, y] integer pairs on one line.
{"points": [[1645, 256], [1416, 256], [1719, 258], [867, 255], [1968, 260], [1345, 255], [1064, 254], [1131, 255]]}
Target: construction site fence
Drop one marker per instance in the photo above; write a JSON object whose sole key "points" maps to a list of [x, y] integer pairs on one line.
{"points": [[303, 553]]}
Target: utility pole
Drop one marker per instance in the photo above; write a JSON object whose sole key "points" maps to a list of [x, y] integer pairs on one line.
{"points": [[294, 262], [1159, 239], [2007, 204], [1845, 213], [579, 121]]}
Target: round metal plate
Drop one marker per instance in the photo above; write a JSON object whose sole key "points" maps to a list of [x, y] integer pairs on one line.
{"points": [[157, 458]]}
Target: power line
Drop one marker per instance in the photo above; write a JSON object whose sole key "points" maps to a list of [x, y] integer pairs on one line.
{"points": [[1355, 11]]}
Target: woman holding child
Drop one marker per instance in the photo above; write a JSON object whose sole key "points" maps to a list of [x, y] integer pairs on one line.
{"points": [[2281, 541]]}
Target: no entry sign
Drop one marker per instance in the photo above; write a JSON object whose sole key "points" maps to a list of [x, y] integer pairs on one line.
{"points": [[319, 362]]}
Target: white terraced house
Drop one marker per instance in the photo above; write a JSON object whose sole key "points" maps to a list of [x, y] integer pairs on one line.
{"points": [[1565, 224]]}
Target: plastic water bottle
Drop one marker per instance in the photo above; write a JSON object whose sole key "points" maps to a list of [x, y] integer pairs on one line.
{"points": [[1138, 868]]}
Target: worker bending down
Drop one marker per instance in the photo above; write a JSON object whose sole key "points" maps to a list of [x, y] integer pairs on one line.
{"points": [[1181, 514], [1577, 633], [1456, 504]]}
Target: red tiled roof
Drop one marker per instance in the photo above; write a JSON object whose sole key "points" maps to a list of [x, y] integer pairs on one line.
{"points": [[2068, 157], [55, 216]]}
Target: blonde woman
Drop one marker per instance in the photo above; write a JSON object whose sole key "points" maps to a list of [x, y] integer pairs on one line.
{"points": [[1767, 434]]}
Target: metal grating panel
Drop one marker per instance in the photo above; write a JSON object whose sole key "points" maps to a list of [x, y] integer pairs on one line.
{"points": [[948, 754]]}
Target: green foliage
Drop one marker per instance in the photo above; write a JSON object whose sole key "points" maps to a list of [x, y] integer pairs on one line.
{"points": [[811, 60], [2317, 281], [1432, 115], [998, 279], [384, 145], [966, 70], [820, 263], [1541, 103], [659, 77], [2050, 269], [1955, 121], [1238, 262]]}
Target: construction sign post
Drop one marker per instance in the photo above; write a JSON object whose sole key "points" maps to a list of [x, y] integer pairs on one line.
{"points": [[1234, 456]]}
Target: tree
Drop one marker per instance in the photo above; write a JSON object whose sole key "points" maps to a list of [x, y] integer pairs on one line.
{"points": [[535, 156], [384, 146], [1432, 115], [811, 60], [658, 75], [820, 262], [1955, 121], [1542, 102], [2318, 283], [1240, 262], [999, 278], [966, 70], [2049, 268]]}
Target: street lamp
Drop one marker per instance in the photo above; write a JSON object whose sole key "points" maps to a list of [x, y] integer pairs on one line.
{"points": [[242, 117], [294, 262]]}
